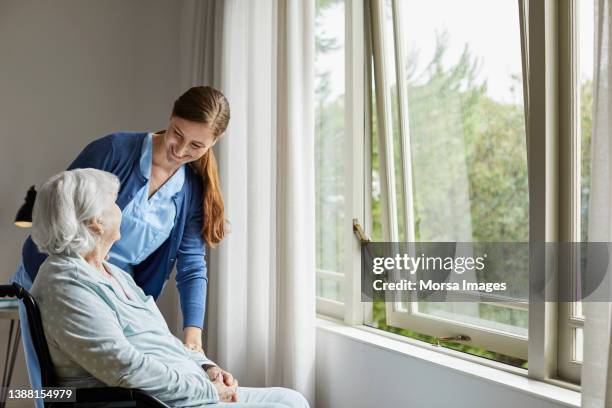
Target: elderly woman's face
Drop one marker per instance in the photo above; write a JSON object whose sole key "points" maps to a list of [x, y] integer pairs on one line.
{"points": [[110, 221]]}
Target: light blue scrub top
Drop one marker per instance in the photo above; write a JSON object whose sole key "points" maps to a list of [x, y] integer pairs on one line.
{"points": [[147, 222]]}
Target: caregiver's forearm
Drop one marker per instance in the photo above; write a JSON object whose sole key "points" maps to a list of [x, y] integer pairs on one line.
{"points": [[192, 336]]}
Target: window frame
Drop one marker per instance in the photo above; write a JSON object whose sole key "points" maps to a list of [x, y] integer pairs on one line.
{"points": [[570, 142], [352, 311], [548, 43], [489, 339], [325, 306]]}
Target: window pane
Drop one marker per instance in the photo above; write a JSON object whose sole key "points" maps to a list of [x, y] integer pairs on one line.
{"points": [[329, 289], [467, 133], [586, 15], [578, 345], [329, 140], [394, 125], [466, 130], [377, 228], [586, 47], [466, 115]]}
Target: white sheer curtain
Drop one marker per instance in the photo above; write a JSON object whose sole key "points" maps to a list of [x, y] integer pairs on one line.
{"points": [[261, 308], [597, 366]]}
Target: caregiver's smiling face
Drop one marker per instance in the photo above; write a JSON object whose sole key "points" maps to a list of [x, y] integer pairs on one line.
{"points": [[186, 141]]}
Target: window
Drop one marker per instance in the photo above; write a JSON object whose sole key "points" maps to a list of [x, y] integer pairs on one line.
{"points": [[450, 152], [329, 155], [423, 120], [579, 45], [584, 96]]}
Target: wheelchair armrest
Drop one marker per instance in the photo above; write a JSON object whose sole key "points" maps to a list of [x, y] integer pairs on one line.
{"points": [[116, 394]]}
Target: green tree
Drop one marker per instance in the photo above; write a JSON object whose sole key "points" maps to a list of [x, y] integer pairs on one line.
{"points": [[469, 165], [586, 124]]}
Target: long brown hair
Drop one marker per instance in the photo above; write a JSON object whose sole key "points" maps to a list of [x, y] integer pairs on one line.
{"points": [[203, 104]]}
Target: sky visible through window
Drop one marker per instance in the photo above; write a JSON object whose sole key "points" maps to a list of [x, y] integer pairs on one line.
{"points": [[587, 34], [490, 28]]}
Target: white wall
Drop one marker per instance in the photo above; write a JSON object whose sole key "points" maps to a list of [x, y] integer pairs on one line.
{"points": [[72, 71], [352, 374]]}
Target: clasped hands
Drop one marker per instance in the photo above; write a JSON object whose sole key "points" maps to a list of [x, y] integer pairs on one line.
{"points": [[224, 382]]}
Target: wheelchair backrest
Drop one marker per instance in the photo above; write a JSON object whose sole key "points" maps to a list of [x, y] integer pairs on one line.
{"points": [[36, 330]]}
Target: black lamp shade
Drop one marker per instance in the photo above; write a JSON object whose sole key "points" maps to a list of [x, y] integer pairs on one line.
{"points": [[24, 215]]}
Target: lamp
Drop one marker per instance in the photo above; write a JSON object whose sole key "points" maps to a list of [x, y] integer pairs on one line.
{"points": [[24, 215]]}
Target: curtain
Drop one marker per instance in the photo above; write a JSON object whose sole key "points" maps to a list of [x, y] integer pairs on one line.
{"points": [[597, 365], [261, 298]]}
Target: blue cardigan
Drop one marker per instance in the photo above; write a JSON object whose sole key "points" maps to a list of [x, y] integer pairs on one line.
{"points": [[119, 153]]}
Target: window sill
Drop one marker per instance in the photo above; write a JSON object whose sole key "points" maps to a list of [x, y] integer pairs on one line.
{"points": [[431, 354]]}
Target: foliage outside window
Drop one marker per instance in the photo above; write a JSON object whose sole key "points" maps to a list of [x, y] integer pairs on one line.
{"points": [[467, 143], [329, 148]]}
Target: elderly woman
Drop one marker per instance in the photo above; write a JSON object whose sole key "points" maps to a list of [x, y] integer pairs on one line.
{"points": [[100, 326]]}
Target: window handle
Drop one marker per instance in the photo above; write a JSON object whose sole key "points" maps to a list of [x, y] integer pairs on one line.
{"points": [[457, 338], [359, 232]]}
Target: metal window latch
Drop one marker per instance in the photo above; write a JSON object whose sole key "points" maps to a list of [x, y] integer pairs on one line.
{"points": [[457, 338], [359, 232]]}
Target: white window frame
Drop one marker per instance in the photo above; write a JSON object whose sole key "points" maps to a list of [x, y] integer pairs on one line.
{"points": [[357, 171], [330, 307], [570, 142], [549, 89], [399, 316], [352, 311], [542, 147]]}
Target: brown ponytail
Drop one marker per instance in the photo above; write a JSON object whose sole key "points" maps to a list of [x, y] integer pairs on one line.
{"points": [[204, 104]]}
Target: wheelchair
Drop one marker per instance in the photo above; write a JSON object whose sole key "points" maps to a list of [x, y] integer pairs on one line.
{"points": [[114, 397]]}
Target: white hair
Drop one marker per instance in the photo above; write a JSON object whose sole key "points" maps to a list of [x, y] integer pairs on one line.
{"points": [[64, 207]]}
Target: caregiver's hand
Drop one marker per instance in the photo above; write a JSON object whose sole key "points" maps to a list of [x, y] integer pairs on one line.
{"points": [[227, 393], [193, 338]]}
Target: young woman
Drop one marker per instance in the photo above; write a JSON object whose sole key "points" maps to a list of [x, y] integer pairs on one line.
{"points": [[170, 202]]}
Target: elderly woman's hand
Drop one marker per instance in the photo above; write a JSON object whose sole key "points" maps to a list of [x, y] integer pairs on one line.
{"points": [[227, 393], [215, 373]]}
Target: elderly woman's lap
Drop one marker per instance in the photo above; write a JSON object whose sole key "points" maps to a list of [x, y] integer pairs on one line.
{"points": [[272, 397]]}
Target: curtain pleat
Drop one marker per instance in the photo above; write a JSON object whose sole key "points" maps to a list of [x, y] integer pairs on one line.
{"points": [[261, 301]]}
